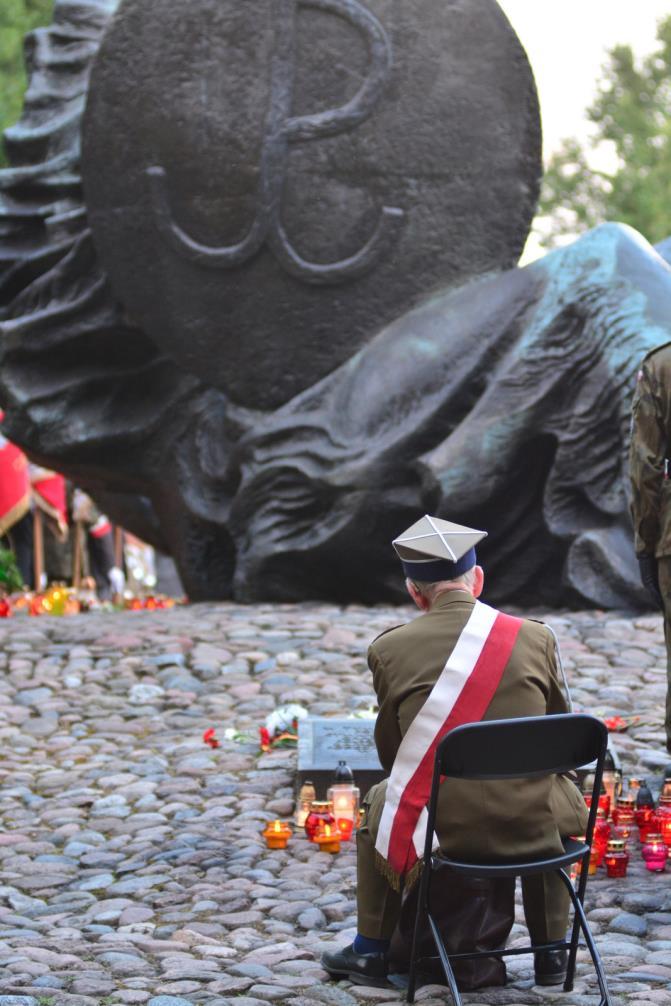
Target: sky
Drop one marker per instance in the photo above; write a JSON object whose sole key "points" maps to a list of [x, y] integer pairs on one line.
{"points": [[567, 42]]}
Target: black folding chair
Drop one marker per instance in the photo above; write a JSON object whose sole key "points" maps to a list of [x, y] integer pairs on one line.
{"points": [[527, 747]]}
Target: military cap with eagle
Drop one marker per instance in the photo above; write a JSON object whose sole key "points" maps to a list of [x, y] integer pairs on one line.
{"points": [[434, 549]]}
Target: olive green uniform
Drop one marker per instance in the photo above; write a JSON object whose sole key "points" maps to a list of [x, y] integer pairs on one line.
{"points": [[488, 820], [650, 484]]}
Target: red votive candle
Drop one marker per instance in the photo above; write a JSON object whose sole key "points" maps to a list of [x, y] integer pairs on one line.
{"points": [[602, 831], [644, 817], [320, 813], [623, 814], [654, 853], [616, 859], [604, 803], [345, 827]]}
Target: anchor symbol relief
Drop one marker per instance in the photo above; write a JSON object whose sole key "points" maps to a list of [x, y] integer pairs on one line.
{"points": [[282, 130]]}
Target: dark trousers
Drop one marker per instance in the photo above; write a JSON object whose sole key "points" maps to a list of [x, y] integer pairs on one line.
{"points": [[101, 560], [546, 902], [20, 537]]}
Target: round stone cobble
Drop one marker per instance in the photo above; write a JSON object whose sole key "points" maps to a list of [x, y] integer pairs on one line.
{"points": [[132, 869]]}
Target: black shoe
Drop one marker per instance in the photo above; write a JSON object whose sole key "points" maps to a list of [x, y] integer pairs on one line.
{"points": [[362, 969], [550, 967]]}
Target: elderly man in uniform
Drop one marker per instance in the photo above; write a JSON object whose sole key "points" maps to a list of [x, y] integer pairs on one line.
{"points": [[460, 661], [649, 461]]}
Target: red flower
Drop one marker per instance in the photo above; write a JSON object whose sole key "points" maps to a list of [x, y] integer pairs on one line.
{"points": [[616, 723], [264, 739], [209, 738]]}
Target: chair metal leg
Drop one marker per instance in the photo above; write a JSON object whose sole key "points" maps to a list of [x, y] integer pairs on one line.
{"points": [[412, 975], [422, 906], [445, 961], [580, 922], [575, 934]]}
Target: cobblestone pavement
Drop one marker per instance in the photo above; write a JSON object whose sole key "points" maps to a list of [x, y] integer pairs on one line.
{"points": [[131, 865]]}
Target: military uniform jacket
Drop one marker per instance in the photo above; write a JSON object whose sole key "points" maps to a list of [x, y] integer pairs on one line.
{"points": [[650, 447], [489, 820]]}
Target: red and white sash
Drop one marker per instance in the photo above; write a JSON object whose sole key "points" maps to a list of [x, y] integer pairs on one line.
{"points": [[461, 694]]}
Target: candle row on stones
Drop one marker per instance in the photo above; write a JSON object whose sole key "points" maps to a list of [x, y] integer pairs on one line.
{"points": [[622, 819], [328, 822], [61, 600]]}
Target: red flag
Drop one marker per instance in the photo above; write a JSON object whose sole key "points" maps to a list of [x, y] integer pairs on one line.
{"points": [[49, 489], [14, 484]]}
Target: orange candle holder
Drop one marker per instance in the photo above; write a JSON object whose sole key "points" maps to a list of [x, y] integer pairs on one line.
{"points": [[277, 834], [328, 838]]}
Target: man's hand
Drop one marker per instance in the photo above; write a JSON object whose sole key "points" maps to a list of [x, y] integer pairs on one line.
{"points": [[647, 565]]}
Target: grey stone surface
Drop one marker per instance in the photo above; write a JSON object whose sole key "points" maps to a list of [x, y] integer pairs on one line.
{"points": [[178, 900], [632, 925]]}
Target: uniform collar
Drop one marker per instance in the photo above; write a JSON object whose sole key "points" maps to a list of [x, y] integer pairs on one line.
{"points": [[452, 597]]}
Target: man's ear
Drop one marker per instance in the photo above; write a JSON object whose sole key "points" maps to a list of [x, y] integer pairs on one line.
{"points": [[419, 599], [479, 581]]}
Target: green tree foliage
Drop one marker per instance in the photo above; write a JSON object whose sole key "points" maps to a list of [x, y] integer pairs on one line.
{"points": [[632, 118], [16, 18], [10, 578]]}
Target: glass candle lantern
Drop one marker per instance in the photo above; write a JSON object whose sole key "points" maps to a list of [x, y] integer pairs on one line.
{"points": [[644, 796], [623, 812], [593, 860], [633, 789], [604, 803], [277, 834], [343, 773], [320, 812], [621, 834], [602, 832], [665, 828], [666, 785], [655, 853], [587, 784], [37, 605], [306, 797], [647, 821], [611, 780], [345, 827], [616, 858], [664, 817], [344, 799]]}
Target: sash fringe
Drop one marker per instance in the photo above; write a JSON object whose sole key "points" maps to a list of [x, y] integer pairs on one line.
{"points": [[397, 881]]}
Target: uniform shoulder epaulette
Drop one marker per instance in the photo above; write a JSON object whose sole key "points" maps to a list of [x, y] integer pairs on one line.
{"points": [[656, 349], [385, 631]]}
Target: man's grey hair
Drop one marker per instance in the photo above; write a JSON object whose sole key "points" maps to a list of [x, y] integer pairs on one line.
{"points": [[430, 589]]}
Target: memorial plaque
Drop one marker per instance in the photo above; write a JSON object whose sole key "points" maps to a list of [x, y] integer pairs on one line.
{"points": [[324, 741], [270, 182]]}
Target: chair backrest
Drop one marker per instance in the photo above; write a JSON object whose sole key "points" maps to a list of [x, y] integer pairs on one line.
{"points": [[522, 748]]}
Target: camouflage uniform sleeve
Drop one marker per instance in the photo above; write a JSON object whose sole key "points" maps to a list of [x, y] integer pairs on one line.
{"points": [[646, 462]]}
